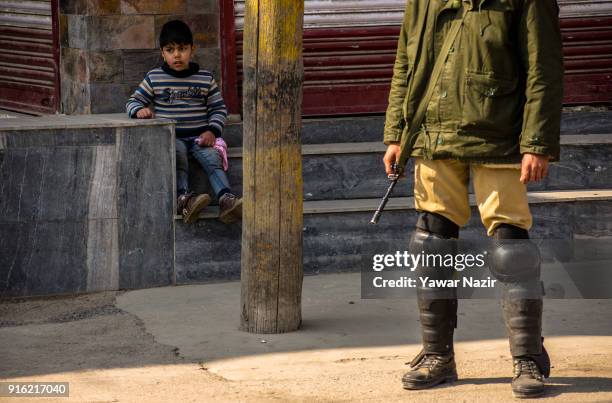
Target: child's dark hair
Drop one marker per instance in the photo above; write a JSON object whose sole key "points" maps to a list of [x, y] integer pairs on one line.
{"points": [[175, 31]]}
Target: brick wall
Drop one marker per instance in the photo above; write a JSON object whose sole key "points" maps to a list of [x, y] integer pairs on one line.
{"points": [[107, 46]]}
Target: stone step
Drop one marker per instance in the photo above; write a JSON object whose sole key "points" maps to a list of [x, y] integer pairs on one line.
{"points": [[354, 170], [370, 128], [338, 236]]}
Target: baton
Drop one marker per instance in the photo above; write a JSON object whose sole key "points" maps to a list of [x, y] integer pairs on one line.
{"points": [[393, 178]]}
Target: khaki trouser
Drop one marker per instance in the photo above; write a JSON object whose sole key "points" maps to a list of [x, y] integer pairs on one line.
{"points": [[441, 186]]}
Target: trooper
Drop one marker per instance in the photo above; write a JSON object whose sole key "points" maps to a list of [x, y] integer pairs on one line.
{"points": [[477, 94]]}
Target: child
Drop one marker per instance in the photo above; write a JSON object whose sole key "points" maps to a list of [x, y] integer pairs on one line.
{"points": [[181, 91]]}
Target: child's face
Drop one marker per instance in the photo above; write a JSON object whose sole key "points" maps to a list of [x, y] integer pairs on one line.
{"points": [[177, 56]]}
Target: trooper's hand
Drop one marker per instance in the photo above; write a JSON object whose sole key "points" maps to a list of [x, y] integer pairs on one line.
{"points": [[534, 167], [391, 157]]}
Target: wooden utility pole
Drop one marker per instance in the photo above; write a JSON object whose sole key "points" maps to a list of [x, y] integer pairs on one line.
{"points": [[272, 269]]}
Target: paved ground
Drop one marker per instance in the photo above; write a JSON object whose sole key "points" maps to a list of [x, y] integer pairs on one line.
{"points": [[182, 344]]}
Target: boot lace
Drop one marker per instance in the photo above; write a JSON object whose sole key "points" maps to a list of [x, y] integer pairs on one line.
{"points": [[429, 361], [528, 367]]}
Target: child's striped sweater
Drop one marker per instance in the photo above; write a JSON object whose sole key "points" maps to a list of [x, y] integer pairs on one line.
{"points": [[191, 97]]}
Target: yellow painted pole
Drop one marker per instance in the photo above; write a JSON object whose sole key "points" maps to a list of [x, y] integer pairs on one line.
{"points": [[271, 262]]}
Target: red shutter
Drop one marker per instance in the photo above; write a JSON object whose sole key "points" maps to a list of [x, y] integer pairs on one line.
{"points": [[29, 80], [349, 50], [587, 45]]}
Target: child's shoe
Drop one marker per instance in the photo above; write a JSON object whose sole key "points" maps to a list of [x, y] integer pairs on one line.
{"points": [[190, 205], [230, 208]]}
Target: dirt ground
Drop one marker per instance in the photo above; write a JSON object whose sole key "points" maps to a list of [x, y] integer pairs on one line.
{"points": [[160, 345]]}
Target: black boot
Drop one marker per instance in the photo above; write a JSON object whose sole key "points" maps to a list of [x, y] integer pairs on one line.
{"points": [[429, 370], [437, 306], [435, 364], [516, 263], [531, 362], [523, 319], [528, 380]]}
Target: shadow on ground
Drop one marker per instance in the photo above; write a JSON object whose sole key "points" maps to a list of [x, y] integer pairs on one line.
{"points": [[199, 324]]}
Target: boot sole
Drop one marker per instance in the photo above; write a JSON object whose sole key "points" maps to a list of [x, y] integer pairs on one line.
{"points": [[527, 395], [419, 386], [232, 215], [195, 212]]}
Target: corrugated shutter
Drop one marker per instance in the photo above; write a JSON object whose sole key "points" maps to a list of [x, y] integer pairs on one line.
{"points": [[28, 61], [584, 8], [342, 13], [587, 44], [349, 50]]}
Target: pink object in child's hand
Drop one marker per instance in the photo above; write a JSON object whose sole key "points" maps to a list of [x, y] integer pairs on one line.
{"points": [[197, 141]]}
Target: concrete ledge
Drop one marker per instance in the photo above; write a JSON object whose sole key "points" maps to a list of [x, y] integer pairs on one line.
{"points": [[54, 122]]}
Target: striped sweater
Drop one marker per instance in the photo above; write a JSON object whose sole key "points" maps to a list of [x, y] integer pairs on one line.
{"points": [[190, 97]]}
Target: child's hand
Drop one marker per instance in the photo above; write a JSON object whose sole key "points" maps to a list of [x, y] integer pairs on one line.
{"points": [[207, 139], [144, 113]]}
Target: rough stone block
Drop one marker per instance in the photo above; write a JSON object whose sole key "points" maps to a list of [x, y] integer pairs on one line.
{"points": [[140, 7], [90, 7], [105, 66], [73, 6], [76, 97], [173, 6], [63, 30], [209, 59], [143, 7], [121, 32], [136, 63], [109, 98], [202, 6], [103, 7], [74, 65], [77, 31]]}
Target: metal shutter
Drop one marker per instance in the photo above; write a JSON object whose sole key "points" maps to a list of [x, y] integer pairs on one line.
{"points": [[349, 50], [586, 26], [342, 13], [29, 79]]}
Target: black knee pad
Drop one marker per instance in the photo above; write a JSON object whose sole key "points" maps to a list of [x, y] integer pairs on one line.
{"points": [[514, 257], [434, 235], [432, 240]]}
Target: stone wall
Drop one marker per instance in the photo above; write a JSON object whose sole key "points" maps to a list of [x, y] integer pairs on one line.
{"points": [[107, 46]]}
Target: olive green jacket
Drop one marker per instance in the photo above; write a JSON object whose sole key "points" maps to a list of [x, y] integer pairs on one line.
{"points": [[500, 92]]}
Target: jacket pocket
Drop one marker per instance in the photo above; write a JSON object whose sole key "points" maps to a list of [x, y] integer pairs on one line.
{"points": [[489, 103]]}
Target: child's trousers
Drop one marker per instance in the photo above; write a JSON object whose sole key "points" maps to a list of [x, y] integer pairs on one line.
{"points": [[208, 158], [441, 186]]}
